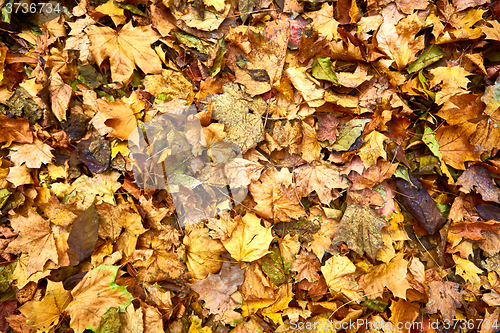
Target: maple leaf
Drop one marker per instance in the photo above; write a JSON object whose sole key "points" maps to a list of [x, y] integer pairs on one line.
{"points": [[391, 275], [44, 314], [132, 321], [323, 178], [312, 94], [17, 130], [452, 81], [338, 272], [203, 253], [19, 175], [327, 127], [93, 296], [60, 96], [249, 240], [360, 228], [403, 312], [125, 49], [33, 155], [275, 195], [373, 149], [494, 32], [398, 41], [36, 239], [101, 186], [454, 146], [216, 289], [119, 116], [241, 172], [110, 9], [467, 270], [353, 80], [445, 297], [324, 22], [307, 266], [169, 83]]}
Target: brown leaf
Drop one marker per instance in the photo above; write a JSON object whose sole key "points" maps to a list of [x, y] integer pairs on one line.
{"points": [[36, 239], [420, 205], [454, 146], [478, 179], [60, 96], [445, 297], [17, 130], [83, 236], [307, 266], [216, 289], [360, 228]]}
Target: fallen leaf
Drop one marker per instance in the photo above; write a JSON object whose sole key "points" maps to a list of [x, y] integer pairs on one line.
{"points": [[373, 149], [454, 146], [106, 43], [360, 228], [312, 94], [93, 296], [478, 179], [43, 315], [338, 272], [249, 241], [467, 270], [17, 130], [216, 289], [36, 239], [444, 297], [83, 236], [391, 275], [452, 81], [60, 96], [34, 154], [324, 22], [203, 253]]}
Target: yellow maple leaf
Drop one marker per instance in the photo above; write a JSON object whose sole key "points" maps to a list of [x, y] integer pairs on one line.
{"points": [[338, 272], [125, 49], [452, 81], [398, 42], [44, 314], [203, 253], [116, 13], [467, 270], [35, 238], [93, 296], [373, 149], [391, 275], [324, 22], [249, 240], [34, 154]]}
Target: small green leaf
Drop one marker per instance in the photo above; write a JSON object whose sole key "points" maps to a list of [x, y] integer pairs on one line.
{"points": [[323, 70], [431, 55], [429, 138], [110, 321], [274, 267]]}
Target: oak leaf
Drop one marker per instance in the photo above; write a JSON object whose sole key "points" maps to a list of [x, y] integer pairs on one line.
{"points": [[125, 49], [361, 229], [494, 32], [249, 241], [35, 238], [93, 296]]}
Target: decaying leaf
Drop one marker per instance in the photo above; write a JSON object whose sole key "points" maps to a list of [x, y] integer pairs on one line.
{"points": [[360, 228]]}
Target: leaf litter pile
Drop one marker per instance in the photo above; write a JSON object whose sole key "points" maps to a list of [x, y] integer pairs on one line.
{"points": [[367, 136]]}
